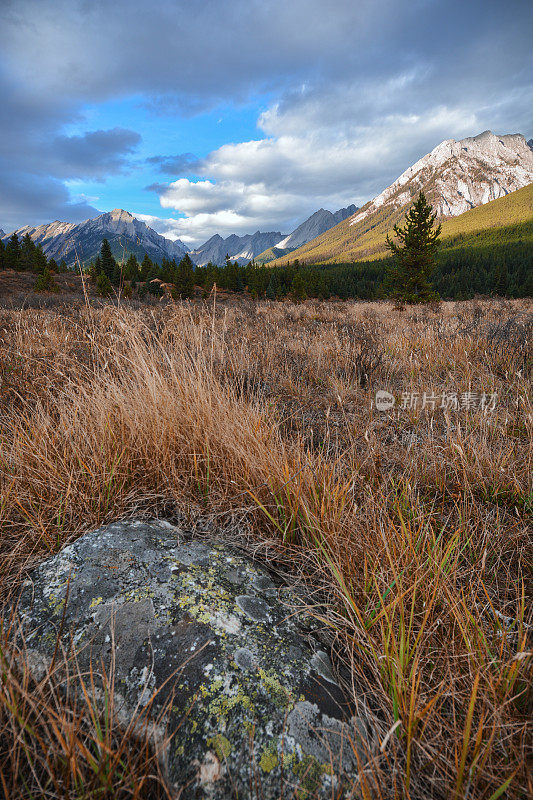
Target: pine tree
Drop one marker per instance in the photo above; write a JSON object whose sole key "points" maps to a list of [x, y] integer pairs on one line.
{"points": [[13, 254], [146, 268], [39, 260], [108, 263], [103, 285], [45, 282], [298, 287], [131, 270], [274, 287], [184, 278], [415, 254], [116, 278], [27, 253]]}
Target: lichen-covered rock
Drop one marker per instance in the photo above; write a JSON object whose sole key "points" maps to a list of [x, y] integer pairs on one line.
{"points": [[255, 709]]}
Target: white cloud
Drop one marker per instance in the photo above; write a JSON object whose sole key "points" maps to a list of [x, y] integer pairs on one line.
{"points": [[275, 183]]}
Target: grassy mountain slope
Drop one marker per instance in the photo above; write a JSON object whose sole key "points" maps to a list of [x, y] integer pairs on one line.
{"points": [[272, 253], [365, 240]]}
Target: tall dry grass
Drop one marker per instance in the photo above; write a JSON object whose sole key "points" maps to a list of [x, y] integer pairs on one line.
{"points": [[410, 528]]}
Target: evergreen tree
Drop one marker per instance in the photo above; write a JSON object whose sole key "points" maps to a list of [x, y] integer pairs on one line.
{"points": [[184, 278], [62, 266], [116, 279], [39, 260], [131, 270], [13, 254], [415, 255], [273, 288], [103, 285], [146, 268], [298, 287], [45, 282], [27, 253], [108, 263], [233, 279]]}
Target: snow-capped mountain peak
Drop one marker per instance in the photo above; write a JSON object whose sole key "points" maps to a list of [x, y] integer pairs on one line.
{"points": [[460, 174]]}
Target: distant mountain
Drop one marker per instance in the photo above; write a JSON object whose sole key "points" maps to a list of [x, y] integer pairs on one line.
{"points": [[2, 233], [83, 240], [239, 248], [317, 223], [456, 176]]}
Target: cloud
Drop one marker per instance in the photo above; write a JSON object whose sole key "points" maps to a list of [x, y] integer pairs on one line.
{"points": [[277, 182], [183, 163], [356, 92], [25, 200], [94, 154]]}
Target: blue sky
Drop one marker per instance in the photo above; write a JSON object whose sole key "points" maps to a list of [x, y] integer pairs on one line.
{"points": [[197, 135], [230, 116]]}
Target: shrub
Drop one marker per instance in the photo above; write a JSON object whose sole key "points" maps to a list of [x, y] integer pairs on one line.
{"points": [[45, 282], [103, 285]]}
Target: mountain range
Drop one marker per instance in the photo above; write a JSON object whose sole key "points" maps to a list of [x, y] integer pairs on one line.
{"points": [[456, 177], [239, 248], [82, 241], [127, 234], [317, 223]]}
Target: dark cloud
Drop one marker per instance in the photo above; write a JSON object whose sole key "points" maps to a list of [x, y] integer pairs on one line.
{"points": [[37, 158], [27, 200], [94, 154], [158, 188], [181, 164]]}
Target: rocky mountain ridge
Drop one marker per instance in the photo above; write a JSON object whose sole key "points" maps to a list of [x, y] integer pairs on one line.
{"points": [[239, 248], [456, 176], [126, 233], [322, 220], [464, 173]]}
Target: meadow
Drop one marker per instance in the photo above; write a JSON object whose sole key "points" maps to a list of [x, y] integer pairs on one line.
{"points": [[408, 530]]}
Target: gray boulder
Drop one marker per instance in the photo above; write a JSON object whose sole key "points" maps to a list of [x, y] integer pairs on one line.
{"points": [[250, 700]]}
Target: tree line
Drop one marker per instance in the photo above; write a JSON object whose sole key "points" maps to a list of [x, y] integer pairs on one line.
{"points": [[26, 256], [495, 265]]}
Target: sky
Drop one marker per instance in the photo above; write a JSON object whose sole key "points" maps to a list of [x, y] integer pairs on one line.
{"points": [[231, 116]]}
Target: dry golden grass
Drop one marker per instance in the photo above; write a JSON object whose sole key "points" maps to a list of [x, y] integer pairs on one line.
{"points": [[409, 527]]}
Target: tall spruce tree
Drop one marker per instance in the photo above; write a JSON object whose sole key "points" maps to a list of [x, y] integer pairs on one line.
{"points": [[107, 262], [131, 270], [184, 278], [27, 254], [415, 254], [147, 268], [40, 262], [13, 253]]}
